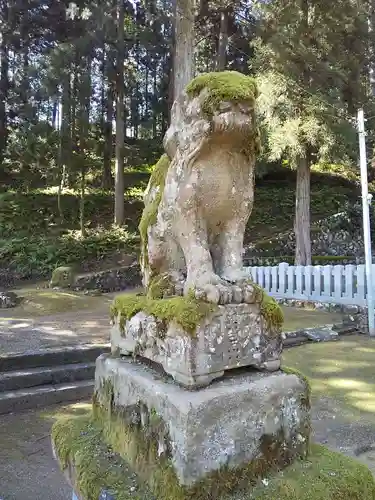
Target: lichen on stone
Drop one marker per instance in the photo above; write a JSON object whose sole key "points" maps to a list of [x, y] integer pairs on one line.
{"points": [[139, 446], [188, 312], [299, 374]]}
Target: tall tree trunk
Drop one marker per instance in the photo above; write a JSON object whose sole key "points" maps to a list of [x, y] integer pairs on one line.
{"points": [[120, 115], [184, 45], [84, 125], [221, 59], [302, 214], [4, 89], [64, 154], [107, 180]]}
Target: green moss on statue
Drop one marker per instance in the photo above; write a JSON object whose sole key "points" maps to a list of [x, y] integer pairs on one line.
{"points": [[227, 86], [160, 286], [186, 311], [157, 180]]}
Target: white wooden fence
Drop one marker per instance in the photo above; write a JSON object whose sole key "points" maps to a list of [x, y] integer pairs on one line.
{"points": [[331, 284]]}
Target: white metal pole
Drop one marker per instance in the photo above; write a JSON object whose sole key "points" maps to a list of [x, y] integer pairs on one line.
{"points": [[366, 202]]}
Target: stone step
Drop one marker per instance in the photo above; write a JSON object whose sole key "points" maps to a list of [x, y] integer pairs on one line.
{"points": [[35, 397], [51, 357], [33, 377]]}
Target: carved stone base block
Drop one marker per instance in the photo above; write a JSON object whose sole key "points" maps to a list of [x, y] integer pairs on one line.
{"points": [[251, 418], [234, 336]]}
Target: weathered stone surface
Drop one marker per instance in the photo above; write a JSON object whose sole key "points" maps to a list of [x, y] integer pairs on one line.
{"points": [[62, 277], [201, 193], [233, 336], [321, 334], [228, 424], [111, 280], [8, 300]]}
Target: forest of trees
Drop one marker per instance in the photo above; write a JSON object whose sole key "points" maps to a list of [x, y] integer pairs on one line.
{"points": [[86, 87]]}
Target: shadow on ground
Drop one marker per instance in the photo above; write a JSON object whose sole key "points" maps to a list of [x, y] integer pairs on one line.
{"points": [[27, 468]]}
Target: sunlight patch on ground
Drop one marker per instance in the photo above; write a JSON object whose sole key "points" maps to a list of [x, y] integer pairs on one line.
{"points": [[37, 303], [343, 371], [296, 318]]}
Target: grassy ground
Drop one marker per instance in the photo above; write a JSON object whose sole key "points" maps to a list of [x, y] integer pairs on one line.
{"points": [[296, 319], [342, 371]]}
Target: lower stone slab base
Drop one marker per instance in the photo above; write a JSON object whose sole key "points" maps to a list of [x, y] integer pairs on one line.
{"points": [[249, 418], [96, 473]]}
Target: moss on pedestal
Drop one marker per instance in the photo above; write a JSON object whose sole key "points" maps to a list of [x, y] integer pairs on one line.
{"points": [[269, 309], [188, 312], [146, 447], [81, 443], [293, 371], [80, 447]]}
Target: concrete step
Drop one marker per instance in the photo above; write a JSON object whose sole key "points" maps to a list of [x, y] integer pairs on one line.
{"points": [[35, 397], [51, 357], [23, 379]]}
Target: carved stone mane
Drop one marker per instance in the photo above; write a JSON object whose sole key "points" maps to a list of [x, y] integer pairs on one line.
{"points": [[201, 193]]}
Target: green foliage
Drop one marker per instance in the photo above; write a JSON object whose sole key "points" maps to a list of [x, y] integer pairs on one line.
{"points": [[33, 242], [186, 311]]}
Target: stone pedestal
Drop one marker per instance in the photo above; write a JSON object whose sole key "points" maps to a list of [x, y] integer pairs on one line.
{"points": [[253, 420], [233, 336]]}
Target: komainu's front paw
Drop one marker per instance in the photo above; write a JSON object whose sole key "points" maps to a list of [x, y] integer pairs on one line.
{"points": [[210, 288], [236, 276]]}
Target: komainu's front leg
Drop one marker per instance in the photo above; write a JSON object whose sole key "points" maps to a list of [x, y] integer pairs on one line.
{"points": [[201, 278], [231, 246], [230, 263]]}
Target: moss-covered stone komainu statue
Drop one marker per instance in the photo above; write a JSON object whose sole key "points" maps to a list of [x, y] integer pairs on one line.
{"points": [[200, 195]]}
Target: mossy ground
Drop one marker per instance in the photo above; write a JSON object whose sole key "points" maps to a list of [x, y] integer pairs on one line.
{"points": [[186, 311], [324, 475]]}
